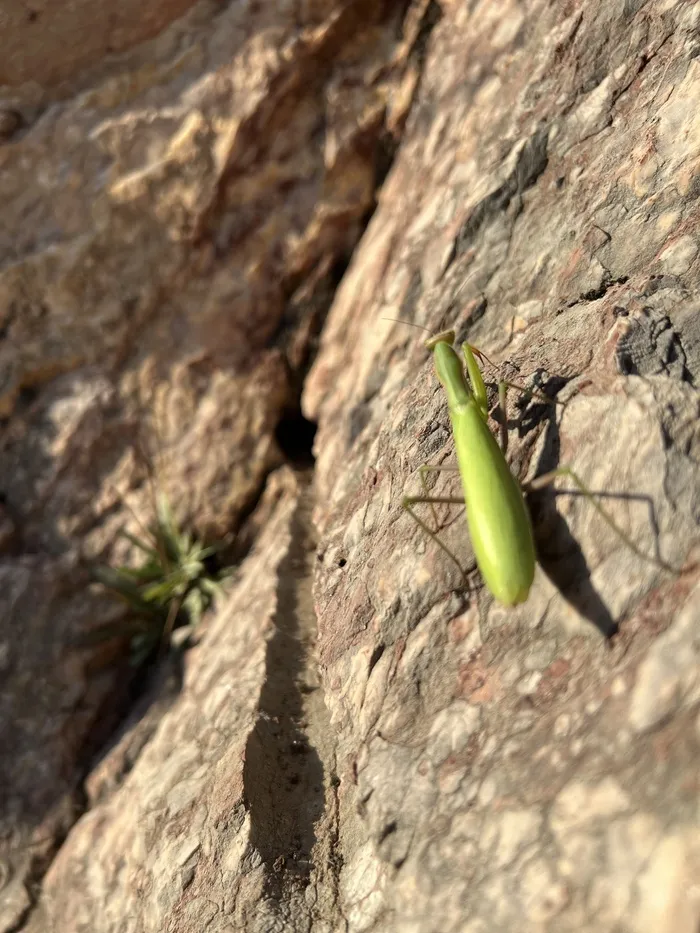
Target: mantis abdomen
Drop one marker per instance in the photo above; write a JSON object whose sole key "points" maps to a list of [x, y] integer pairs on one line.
{"points": [[499, 523]]}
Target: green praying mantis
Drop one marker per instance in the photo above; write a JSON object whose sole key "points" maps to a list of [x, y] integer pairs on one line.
{"points": [[497, 516]]}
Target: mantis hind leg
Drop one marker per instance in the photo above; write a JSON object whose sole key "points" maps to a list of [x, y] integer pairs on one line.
{"points": [[546, 479], [410, 501]]}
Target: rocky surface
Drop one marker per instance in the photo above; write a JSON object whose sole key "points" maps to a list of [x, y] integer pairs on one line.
{"points": [[174, 228], [230, 805], [510, 768], [47, 45], [173, 225]]}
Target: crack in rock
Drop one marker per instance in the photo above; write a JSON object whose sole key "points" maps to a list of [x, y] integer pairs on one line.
{"points": [[289, 759]]}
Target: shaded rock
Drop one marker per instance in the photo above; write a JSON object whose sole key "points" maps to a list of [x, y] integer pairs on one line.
{"points": [[175, 216], [186, 840]]}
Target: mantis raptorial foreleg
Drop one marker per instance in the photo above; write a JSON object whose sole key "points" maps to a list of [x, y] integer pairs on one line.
{"points": [[503, 387]]}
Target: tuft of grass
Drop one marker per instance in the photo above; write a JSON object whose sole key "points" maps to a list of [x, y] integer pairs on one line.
{"points": [[170, 588]]}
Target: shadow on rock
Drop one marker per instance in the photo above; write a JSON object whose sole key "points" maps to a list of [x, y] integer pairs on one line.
{"points": [[283, 774], [558, 552]]}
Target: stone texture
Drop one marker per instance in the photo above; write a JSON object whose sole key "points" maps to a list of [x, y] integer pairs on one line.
{"points": [[174, 220], [555, 227], [50, 44], [190, 838], [668, 679], [426, 760]]}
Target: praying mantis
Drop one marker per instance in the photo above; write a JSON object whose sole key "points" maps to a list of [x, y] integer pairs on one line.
{"points": [[499, 523]]}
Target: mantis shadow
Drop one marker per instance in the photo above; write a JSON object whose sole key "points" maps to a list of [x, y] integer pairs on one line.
{"points": [[562, 560], [558, 552]]}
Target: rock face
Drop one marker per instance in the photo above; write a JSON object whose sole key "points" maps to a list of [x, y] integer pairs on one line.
{"points": [[49, 44], [194, 819], [173, 226], [175, 222]]}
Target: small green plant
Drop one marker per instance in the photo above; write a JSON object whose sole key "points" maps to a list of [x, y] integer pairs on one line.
{"points": [[172, 587]]}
